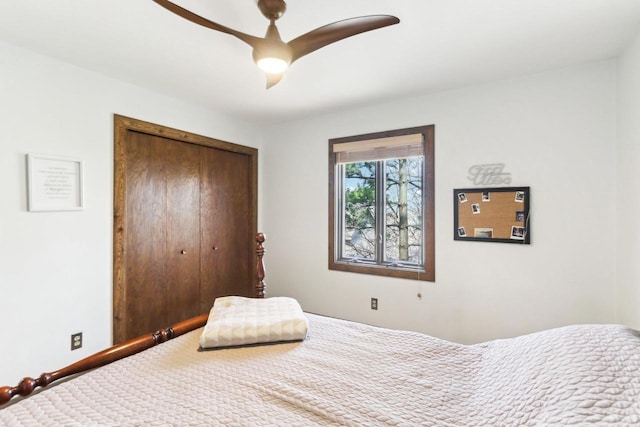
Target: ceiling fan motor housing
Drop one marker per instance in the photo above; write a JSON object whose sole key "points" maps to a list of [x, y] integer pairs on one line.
{"points": [[272, 9]]}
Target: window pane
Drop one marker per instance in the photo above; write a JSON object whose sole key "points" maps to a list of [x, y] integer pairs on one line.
{"points": [[359, 220], [403, 210]]}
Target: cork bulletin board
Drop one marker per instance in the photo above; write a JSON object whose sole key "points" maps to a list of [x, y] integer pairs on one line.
{"points": [[492, 214]]}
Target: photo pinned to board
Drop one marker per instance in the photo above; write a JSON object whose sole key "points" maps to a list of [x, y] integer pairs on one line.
{"points": [[486, 196], [517, 232], [475, 208], [519, 196], [462, 232], [462, 197], [486, 233]]}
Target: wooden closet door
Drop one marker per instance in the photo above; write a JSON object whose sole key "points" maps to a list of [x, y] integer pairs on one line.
{"points": [[227, 258], [177, 195], [183, 230], [146, 240], [163, 213]]}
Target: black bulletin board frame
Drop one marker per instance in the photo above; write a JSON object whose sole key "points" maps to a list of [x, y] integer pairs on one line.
{"points": [[512, 217]]}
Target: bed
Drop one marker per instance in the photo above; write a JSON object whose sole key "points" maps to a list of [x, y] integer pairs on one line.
{"points": [[347, 373]]}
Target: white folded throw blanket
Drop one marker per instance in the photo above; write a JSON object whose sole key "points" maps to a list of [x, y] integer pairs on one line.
{"points": [[235, 321]]}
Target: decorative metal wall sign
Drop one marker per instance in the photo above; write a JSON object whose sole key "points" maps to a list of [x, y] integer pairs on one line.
{"points": [[489, 174]]}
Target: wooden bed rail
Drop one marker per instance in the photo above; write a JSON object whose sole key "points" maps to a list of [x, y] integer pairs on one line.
{"points": [[128, 348], [117, 352]]}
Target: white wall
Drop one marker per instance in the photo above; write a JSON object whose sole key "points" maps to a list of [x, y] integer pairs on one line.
{"points": [[56, 267], [555, 132], [628, 201]]}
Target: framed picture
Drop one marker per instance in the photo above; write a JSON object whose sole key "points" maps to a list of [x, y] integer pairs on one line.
{"points": [[54, 183], [492, 214]]}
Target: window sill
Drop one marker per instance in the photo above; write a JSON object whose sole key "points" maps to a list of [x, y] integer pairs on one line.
{"points": [[405, 272]]}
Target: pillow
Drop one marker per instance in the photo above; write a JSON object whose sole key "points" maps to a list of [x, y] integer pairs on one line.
{"points": [[236, 321]]}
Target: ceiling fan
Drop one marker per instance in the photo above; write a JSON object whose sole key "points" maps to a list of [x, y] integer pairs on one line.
{"points": [[270, 53]]}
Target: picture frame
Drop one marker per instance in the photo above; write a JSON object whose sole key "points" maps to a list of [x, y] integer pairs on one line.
{"points": [[54, 183], [498, 214]]}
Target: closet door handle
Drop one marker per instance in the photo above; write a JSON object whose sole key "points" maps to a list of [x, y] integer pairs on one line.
{"points": [[183, 252], [215, 248]]}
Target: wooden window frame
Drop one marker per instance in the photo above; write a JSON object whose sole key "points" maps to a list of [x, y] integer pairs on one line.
{"points": [[427, 273]]}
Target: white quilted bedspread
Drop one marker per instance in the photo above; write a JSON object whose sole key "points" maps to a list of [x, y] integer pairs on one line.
{"points": [[352, 374]]}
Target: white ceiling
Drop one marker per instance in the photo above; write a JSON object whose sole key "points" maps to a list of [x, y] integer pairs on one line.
{"points": [[438, 45]]}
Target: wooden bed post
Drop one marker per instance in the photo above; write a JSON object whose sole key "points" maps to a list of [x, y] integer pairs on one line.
{"points": [[260, 267]]}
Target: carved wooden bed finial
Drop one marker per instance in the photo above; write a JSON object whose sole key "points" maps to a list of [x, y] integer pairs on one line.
{"points": [[260, 286]]}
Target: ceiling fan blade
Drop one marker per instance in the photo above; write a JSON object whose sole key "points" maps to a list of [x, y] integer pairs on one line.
{"points": [[273, 79], [331, 33], [190, 16]]}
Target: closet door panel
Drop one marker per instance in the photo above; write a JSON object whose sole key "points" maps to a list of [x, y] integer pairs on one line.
{"points": [[227, 237], [146, 238], [183, 230]]}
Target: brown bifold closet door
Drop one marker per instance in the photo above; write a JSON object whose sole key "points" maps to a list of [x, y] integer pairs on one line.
{"points": [[163, 239], [183, 230], [185, 218], [227, 268]]}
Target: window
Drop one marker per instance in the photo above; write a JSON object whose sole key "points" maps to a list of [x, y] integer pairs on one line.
{"points": [[381, 203]]}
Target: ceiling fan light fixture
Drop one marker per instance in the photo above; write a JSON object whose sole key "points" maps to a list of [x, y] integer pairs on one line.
{"points": [[272, 56], [272, 65]]}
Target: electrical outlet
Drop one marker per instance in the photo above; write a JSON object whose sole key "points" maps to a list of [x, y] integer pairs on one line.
{"points": [[76, 341], [374, 303]]}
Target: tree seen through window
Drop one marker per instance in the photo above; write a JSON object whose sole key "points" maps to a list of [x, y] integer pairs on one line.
{"points": [[397, 223]]}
